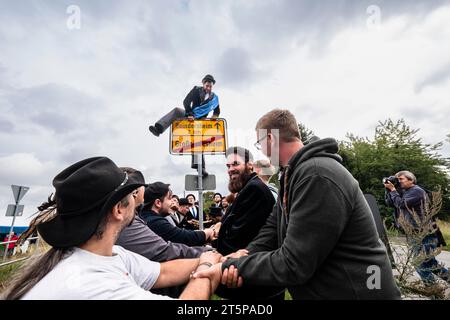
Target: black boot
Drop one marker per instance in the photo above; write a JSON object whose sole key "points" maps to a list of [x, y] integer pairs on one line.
{"points": [[156, 129]]}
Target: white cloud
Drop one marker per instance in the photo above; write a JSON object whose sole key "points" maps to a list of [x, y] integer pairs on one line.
{"points": [[70, 94]]}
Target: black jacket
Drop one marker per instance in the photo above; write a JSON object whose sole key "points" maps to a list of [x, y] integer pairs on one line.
{"points": [[162, 227], [245, 217], [320, 240], [240, 225], [195, 98]]}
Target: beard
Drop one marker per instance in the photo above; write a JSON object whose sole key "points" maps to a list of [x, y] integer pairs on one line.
{"points": [[236, 184]]}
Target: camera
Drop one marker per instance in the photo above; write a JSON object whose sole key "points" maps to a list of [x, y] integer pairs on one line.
{"points": [[392, 179]]}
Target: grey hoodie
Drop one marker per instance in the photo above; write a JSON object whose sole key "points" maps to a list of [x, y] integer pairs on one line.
{"points": [[320, 240]]}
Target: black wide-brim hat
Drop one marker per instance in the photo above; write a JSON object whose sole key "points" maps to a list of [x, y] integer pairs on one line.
{"points": [[215, 211], [85, 192]]}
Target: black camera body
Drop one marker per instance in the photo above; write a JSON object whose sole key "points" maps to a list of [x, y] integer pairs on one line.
{"points": [[392, 179]]}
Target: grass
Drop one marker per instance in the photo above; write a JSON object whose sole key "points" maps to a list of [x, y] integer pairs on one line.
{"points": [[287, 296], [445, 229]]}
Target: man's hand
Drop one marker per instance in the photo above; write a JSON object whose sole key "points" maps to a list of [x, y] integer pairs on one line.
{"points": [[209, 232], [216, 229], [229, 277], [390, 186], [212, 257], [191, 118], [236, 255]]}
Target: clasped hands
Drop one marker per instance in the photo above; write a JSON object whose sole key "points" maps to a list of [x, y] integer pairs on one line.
{"points": [[229, 277]]}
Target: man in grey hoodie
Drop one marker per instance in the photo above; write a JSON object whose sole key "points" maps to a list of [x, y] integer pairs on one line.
{"points": [[320, 241]]}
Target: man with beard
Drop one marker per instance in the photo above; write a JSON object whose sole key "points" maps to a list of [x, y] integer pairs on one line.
{"points": [[93, 202], [320, 240], [157, 201], [243, 221]]}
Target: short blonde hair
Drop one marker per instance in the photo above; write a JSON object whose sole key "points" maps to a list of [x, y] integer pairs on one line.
{"points": [[284, 121]]}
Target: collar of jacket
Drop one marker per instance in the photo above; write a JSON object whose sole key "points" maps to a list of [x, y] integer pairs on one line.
{"points": [[315, 147], [147, 213]]}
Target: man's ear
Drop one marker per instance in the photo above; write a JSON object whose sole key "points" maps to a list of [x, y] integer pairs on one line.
{"points": [[117, 212], [250, 166]]}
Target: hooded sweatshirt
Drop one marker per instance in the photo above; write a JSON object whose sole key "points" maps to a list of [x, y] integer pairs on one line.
{"points": [[320, 241]]}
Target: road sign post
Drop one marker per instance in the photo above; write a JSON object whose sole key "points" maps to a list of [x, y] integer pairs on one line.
{"points": [[18, 192], [200, 191], [198, 137]]}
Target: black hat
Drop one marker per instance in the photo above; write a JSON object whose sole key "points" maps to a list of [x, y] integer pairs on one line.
{"points": [[183, 202], [135, 175], [209, 78], [85, 192], [190, 194], [154, 191], [215, 211]]}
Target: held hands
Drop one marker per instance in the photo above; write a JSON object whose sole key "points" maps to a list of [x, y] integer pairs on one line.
{"points": [[211, 257], [216, 229], [236, 255], [230, 277]]}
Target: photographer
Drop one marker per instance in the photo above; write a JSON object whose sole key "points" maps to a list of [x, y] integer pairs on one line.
{"points": [[409, 199]]}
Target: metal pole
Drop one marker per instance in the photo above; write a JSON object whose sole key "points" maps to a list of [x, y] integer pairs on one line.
{"points": [[12, 226], [200, 190]]}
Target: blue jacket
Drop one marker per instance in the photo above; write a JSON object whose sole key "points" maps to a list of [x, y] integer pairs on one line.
{"points": [[412, 199], [162, 227]]}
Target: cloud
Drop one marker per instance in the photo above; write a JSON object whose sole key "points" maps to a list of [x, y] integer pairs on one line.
{"points": [[236, 68], [71, 94], [437, 77], [23, 168]]}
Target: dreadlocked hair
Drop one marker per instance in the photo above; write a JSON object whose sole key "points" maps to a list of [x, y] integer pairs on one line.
{"points": [[40, 265], [46, 211]]}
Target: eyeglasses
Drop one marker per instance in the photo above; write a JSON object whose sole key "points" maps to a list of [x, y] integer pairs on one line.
{"points": [[258, 143]]}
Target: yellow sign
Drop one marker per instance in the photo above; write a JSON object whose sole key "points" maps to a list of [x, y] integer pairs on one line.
{"points": [[198, 136]]}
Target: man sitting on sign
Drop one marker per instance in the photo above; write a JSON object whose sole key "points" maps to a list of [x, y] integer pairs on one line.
{"points": [[199, 102]]}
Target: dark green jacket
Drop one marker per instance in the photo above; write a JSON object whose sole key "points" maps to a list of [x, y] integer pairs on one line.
{"points": [[324, 244]]}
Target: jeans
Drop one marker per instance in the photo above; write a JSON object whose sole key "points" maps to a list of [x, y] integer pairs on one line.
{"points": [[430, 266]]}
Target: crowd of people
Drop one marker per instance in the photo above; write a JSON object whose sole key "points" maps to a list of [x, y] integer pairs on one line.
{"points": [[115, 236]]}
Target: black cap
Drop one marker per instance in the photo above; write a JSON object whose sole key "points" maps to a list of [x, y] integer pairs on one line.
{"points": [[183, 202], [215, 211], [209, 78], [154, 191]]}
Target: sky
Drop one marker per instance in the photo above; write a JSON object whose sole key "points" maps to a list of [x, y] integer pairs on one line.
{"points": [[86, 78]]}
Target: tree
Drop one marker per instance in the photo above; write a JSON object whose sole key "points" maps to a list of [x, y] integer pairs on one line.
{"points": [[395, 147], [208, 200], [305, 133]]}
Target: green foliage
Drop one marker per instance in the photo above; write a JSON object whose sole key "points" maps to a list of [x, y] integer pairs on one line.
{"points": [[305, 133], [208, 200], [395, 147]]}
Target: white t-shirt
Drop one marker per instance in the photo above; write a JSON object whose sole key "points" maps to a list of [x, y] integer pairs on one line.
{"points": [[84, 276]]}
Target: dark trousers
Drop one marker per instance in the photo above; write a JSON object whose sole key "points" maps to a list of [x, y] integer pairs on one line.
{"points": [[429, 266], [165, 122]]}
